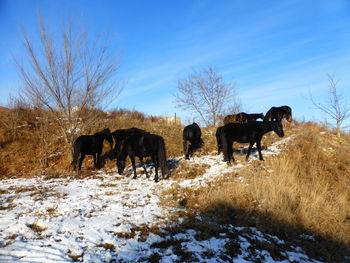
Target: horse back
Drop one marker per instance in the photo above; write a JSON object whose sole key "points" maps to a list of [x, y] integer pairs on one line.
{"points": [[192, 133], [142, 145], [242, 132], [122, 134]]}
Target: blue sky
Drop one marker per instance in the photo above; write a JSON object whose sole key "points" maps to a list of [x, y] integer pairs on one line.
{"points": [[276, 52]]}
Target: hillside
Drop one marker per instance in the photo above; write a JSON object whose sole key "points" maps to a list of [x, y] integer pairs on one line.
{"points": [[291, 208]]}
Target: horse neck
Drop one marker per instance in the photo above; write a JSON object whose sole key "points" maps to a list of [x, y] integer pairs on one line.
{"points": [[266, 127], [100, 136]]}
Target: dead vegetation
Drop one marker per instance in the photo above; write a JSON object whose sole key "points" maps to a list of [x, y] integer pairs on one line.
{"points": [[29, 146], [305, 189], [36, 227]]}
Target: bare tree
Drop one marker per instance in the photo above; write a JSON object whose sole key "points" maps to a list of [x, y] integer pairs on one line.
{"points": [[336, 107], [68, 76], [206, 94]]}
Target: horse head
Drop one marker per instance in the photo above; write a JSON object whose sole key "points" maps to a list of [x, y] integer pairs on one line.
{"points": [[278, 128], [121, 156], [120, 165]]}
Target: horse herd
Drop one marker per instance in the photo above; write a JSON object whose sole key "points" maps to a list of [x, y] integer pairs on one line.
{"points": [[134, 142]]}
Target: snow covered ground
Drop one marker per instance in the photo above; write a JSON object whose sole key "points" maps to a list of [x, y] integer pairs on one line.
{"points": [[104, 218]]}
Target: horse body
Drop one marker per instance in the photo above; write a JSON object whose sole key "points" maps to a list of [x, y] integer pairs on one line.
{"points": [[278, 113], [142, 145], [90, 145], [122, 134], [191, 139], [242, 117], [247, 133]]}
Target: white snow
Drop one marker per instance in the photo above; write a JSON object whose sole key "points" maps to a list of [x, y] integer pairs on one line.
{"points": [[99, 219]]}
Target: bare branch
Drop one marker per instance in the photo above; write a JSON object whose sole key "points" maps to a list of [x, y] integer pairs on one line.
{"points": [[337, 107], [70, 76], [206, 94]]}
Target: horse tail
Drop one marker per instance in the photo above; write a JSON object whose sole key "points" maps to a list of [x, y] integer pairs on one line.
{"points": [[162, 157], [218, 139]]}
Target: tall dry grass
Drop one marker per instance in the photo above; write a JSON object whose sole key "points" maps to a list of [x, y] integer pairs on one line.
{"points": [[307, 186], [30, 146]]}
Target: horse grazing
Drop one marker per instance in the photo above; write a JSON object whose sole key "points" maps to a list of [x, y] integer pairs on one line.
{"points": [[247, 133], [142, 145], [242, 117], [278, 113], [218, 138], [191, 139], [90, 145]]}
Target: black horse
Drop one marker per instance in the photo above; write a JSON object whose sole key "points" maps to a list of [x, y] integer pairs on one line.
{"points": [[278, 113], [90, 145], [142, 145], [218, 138], [119, 135], [191, 139], [247, 133]]}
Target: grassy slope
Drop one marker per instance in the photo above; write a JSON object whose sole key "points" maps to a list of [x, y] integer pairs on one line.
{"points": [[303, 190]]}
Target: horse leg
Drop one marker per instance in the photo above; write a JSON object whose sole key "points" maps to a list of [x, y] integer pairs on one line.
{"points": [[132, 159], [258, 144], [231, 151], [218, 142], [144, 167], [81, 159], [227, 148], [249, 149], [98, 161]]}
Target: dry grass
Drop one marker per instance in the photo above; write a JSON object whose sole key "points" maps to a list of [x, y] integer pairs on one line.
{"points": [[187, 170], [36, 227], [21, 155], [108, 246], [305, 188], [308, 187], [75, 257]]}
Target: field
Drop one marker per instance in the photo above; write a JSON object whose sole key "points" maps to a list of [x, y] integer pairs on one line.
{"points": [[292, 207]]}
